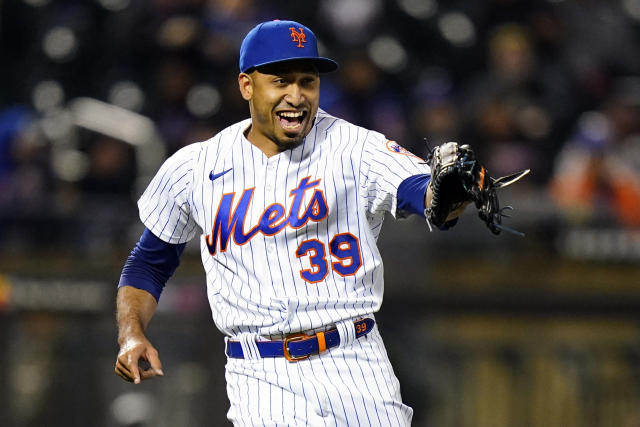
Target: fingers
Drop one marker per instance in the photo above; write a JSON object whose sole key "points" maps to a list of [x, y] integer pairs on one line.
{"points": [[154, 361], [122, 373], [127, 368], [148, 373], [155, 366], [128, 363], [134, 374], [132, 363]]}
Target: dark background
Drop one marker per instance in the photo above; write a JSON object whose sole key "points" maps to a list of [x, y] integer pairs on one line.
{"points": [[482, 330]]}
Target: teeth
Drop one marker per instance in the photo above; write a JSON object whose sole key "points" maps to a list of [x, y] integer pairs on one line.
{"points": [[291, 114]]}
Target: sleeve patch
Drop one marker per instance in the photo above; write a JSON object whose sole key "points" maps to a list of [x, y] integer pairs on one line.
{"points": [[396, 148]]}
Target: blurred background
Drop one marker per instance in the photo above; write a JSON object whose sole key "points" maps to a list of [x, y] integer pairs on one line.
{"points": [[482, 330]]}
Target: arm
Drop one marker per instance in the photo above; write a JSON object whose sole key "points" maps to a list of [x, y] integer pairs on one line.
{"points": [[151, 263], [415, 194], [135, 308]]}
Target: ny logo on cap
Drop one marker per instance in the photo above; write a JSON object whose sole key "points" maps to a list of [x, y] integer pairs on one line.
{"points": [[299, 37]]}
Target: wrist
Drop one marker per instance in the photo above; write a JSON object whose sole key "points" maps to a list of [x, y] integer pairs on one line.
{"points": [[131, 331]]}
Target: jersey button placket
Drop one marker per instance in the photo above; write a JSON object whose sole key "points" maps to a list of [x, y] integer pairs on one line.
{"points": [[270, 178], [271, 196]]}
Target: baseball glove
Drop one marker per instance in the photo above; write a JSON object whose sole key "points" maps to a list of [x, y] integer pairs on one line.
{"points": [[457, 179]]}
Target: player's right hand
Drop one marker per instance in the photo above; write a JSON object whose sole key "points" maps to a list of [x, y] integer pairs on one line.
{"points": [[133, 350]]}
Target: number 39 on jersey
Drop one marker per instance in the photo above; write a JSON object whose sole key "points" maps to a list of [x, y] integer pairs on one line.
{"points": [[341, 254]]}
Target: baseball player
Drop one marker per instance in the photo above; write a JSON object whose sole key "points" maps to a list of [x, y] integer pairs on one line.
{"points": [[288, 206]]}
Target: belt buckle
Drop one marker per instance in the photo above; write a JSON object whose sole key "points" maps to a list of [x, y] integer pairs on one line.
{"points": [[285, 347]]}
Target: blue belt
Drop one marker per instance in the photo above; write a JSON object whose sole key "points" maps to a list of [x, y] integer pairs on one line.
{"points": [[297, 347]]}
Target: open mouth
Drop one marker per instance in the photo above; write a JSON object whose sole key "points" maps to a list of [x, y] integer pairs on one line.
{"points": [[291, 120]]}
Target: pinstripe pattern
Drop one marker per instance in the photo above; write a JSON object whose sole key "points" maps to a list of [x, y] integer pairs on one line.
{"points": [[297, 279], [353, 386]]}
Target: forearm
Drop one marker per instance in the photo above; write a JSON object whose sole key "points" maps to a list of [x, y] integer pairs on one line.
{"points": [[410, 199], [143, 277], [134, 310]]}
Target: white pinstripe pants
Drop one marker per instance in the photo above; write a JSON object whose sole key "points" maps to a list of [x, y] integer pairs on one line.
{"points": [[350, 385]]}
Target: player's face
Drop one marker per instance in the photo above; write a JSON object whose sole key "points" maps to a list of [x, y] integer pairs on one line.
{"points": [[283, 99]]}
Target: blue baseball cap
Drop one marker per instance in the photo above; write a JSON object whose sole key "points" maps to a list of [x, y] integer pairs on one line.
{"points": [[279, 41]]}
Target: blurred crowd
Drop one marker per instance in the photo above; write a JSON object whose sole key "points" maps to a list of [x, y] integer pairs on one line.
{"points": [[94, 94], [550, 85]]}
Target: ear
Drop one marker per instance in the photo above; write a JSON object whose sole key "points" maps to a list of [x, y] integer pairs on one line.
{"points": [[245, 83]]}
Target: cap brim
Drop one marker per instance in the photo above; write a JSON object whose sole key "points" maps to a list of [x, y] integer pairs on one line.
{"points": [[323, 65]]}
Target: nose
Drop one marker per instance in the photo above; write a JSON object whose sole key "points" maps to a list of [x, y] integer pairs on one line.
{"points": [[294, 95]]}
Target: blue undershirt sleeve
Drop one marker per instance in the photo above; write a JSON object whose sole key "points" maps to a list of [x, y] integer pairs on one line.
{"points": [[411, 194], [151, 263]]}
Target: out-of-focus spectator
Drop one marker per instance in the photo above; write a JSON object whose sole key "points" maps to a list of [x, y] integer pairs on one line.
{"points": [[112, 167], [435, 117], [11, 121], [351, 21], [598, 39], [511, 76], [597, 174], [512, 107], [226, 22], [172, 81], [358, 83], [24, 160]]}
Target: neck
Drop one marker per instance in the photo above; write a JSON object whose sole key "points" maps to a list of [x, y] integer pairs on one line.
{"points": [[266, 145]]}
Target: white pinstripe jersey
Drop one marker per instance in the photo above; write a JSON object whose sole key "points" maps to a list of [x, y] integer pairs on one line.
{"points": [[288, 242]]}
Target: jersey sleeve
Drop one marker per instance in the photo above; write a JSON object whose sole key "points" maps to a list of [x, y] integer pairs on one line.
{"points": [[164, 206], [386, 165]]}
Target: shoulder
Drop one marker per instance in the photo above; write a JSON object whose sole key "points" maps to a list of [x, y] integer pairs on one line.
{"points": [[226, 136], [199, 150], [345, 130]]}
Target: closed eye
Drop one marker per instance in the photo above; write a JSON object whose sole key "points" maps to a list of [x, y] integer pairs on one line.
{"points": [[309, 81]]}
